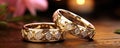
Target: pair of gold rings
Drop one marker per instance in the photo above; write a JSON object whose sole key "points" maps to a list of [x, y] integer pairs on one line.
{"points": [[64, 21]]}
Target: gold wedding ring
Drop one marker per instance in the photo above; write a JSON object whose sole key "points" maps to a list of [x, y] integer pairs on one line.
{"points": [[41, 32], [74, 24]]}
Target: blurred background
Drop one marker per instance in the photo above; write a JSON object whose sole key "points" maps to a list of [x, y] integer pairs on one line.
{"points": [[18, 12], [90, 9], [103, 14]]}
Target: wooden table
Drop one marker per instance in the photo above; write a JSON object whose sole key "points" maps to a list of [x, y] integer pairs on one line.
{"points": [[104, 38]]}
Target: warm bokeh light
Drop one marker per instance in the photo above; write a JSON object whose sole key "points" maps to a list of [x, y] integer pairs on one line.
{"points": [[80, 2], [81, 6]]}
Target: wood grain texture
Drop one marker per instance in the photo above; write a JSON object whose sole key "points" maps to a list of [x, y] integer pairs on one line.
{"points": [[104, 38]]}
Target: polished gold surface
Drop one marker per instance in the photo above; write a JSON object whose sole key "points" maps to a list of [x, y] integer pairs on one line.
{"points": [[104, 38], [41, 32], [74, 24]]}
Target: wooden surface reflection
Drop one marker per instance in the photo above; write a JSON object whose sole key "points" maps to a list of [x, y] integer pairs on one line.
{"points": [[104, 38]]}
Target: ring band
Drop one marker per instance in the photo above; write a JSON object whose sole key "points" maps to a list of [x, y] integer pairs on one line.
{"points": [[41, 32], [74, 24]]}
